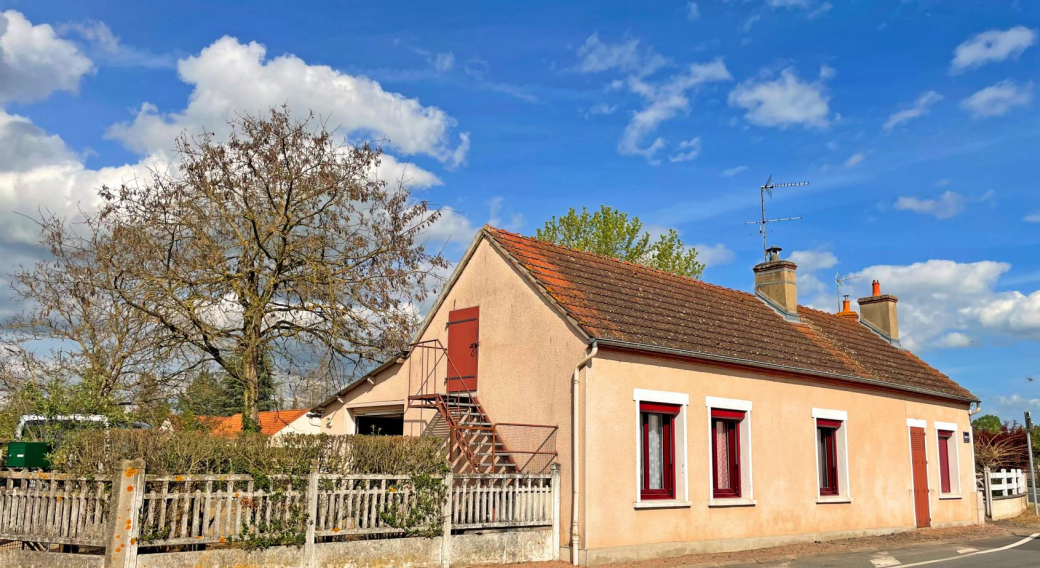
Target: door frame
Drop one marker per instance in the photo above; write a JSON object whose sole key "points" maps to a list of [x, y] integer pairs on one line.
{"points": [[922, 424]]}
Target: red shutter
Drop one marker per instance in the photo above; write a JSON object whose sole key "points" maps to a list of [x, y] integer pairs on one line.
{"points": [[463, 345], [727, 414], [659, 408], [944, 461], [823, 423]]}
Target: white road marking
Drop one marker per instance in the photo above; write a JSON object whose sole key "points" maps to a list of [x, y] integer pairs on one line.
{"points": [[966, 550], [1010, 546], [883, 560]]}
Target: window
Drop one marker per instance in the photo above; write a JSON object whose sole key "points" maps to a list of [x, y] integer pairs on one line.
{"points": [[832, 462], [657, 474], [725, 449], [827, 455], [949, 477], [729, 452], [660, 428]]}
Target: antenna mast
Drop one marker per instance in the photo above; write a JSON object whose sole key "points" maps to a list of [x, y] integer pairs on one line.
{"points": [[767, 188], [840, 281]]}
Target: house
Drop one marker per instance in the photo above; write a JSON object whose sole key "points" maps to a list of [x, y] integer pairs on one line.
{"points": [[274, 423], [686, 417]]}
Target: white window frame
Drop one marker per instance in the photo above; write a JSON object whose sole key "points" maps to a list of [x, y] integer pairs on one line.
{"points": [[841, 446], [954, 457], [746, 479], [682, 482]]}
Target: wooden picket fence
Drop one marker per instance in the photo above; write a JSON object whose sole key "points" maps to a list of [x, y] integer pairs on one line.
{"points": [[54, 508], [503, 499]]}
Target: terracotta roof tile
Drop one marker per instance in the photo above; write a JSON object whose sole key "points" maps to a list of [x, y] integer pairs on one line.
{"points": [[616, 300], [271, 421]]}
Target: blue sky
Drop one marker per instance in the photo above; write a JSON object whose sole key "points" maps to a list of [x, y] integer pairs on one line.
{"points": [[915, 122]]}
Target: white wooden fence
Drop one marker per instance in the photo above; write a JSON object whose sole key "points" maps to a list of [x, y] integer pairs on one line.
{"points": [[54, 508], [175, 510], [1007, 482]]}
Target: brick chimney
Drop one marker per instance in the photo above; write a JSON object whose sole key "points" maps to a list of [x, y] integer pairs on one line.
{"points": [[878, 312], [775, 284]]}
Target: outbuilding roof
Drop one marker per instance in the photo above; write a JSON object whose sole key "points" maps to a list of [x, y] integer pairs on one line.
{"points": [[271, 421], [632, 305]]}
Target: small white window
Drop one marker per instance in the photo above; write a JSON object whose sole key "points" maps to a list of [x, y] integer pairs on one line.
{"points": [[661, 448], [832, 458], [729, 453], [949, 458]]}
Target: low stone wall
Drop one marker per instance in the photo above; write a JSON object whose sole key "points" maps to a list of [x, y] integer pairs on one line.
{"points": [[1008, 507], [32, 559], [484, 547]]}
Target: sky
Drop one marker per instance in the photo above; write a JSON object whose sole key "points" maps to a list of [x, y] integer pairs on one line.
{"points": [[914, 121]]}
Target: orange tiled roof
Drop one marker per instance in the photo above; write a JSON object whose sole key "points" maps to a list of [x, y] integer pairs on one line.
{"points": [[271, 421], [615, 300]]}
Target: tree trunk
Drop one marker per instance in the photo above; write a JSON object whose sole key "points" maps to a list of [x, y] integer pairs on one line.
{"points": [[251, 390]]}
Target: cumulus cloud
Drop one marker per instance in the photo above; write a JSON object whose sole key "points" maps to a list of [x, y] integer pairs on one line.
{"points": [[920, 108], [945, 206], [106, 48], [626, 56], [35, 62], [714, 255], [664, 101], [998, 99], [953, 340], [730, 172], [991, 46], [688, 150], [812, 290], [783, 102], [229, 76]]}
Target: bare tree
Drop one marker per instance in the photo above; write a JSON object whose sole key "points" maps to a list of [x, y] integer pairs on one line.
{"points": [[277, 242], [75, 325]]}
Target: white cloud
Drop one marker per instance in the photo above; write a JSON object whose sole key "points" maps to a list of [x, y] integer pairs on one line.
{"points": [[714, 255], [394, 170], [855, 160], [750, 22], [730, 172], [946, 205], [918, 109], [229, 77], [787, 3], [991, 46], [34, 61], [1034, 218], [626, 56], [692, 11], [688, 150], [783, 102], [514, 223], [664, 101], [601, 108], [444, 61], [25, 146], [827, 72], [106, 48], [953, 340], [820, 10], [812, 290], [813, 260], [998, 99]]}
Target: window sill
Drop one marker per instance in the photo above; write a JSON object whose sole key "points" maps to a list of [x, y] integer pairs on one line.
{"points": [[945, 496], [661, 504], [829, 499], [732, 502]]}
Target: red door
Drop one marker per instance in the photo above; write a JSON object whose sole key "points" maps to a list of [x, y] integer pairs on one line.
{"points": [[919, 463], [463, 344]]}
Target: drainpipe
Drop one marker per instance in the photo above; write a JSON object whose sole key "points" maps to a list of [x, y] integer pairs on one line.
{"points": [[574, 452]]}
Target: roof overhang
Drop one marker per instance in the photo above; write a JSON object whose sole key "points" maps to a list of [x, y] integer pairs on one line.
{"points": [[736, 362], [395, 360]]}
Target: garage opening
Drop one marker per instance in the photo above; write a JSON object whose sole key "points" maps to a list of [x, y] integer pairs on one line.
{"points": [[380, 424]]}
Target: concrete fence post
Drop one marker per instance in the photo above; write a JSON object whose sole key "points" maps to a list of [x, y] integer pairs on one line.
{"points": [[988, 495], [554, 469], [312, 517], [124, 517], [449, 483]]}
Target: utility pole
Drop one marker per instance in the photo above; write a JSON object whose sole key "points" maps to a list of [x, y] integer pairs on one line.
{"points": [[1032, 469], [767, 189]]}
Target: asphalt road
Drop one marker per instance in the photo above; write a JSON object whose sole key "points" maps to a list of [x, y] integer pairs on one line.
{"points": [[1005, 552]]}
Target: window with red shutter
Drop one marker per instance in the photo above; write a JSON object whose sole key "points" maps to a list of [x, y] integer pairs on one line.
{"points": [[725, 450], [944, 460], [827, 455]]}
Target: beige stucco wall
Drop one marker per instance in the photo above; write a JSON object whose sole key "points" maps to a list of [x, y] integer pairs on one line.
{"points": [[783, 457]]}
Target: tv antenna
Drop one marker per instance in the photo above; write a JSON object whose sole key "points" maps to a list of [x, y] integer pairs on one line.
{"points": [[764, 189], [840, 281]]}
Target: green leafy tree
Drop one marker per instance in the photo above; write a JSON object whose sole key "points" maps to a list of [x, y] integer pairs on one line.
{"points": [[610, 232], [987, 423]]}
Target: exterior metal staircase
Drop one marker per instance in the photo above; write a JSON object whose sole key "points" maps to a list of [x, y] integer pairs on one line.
{"points": [[474, 443]]}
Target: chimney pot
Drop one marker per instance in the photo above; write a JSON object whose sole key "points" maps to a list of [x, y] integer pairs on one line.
{"points": [[846, 311], [876, 288]]}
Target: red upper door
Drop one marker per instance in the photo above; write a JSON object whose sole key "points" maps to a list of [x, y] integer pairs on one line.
{"points": [[919, 463], [463, 345]]}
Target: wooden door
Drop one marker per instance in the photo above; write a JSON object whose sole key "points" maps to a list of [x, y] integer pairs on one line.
{"points": [[463, 345], [919, 464]]}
